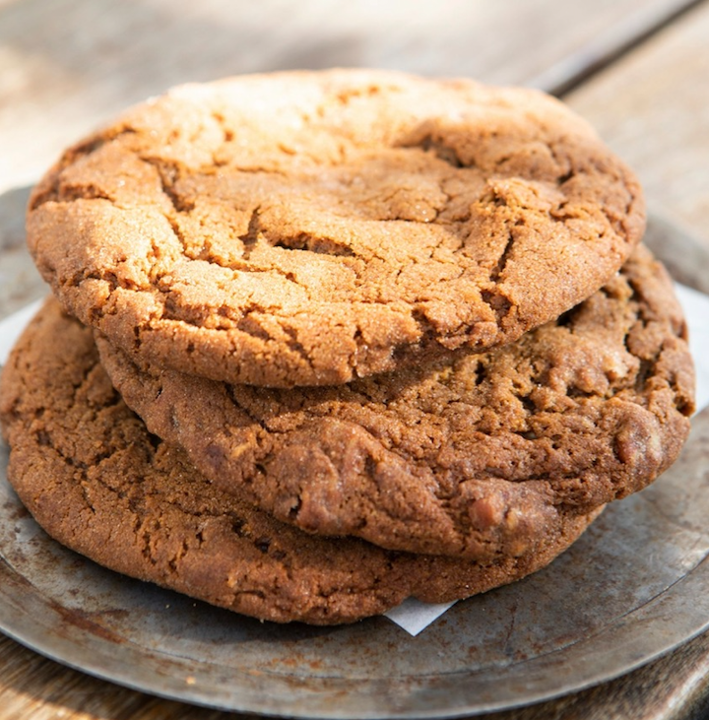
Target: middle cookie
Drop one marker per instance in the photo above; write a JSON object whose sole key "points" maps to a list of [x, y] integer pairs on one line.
{"points": [[471, 458]]}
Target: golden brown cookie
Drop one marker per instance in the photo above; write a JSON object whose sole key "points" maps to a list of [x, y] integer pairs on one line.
{"points": [[310, 228], [98, 482], [481, 456]]}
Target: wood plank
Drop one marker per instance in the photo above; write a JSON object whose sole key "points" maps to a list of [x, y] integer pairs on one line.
{"points": [[652, 107], [606, 47]]}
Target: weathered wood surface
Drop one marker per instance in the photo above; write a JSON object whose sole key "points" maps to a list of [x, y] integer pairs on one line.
{"points": [[652, 107], [66, 66]]}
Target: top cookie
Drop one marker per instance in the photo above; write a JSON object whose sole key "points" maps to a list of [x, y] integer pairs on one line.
{"points": [[311, 228]]}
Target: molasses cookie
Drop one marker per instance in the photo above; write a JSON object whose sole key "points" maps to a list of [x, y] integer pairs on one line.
{"points": [[98, 482], [481, 456], [311, 228]]}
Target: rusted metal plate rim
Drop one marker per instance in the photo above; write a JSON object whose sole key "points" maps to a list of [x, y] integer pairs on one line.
{"points": [[632, 588]]}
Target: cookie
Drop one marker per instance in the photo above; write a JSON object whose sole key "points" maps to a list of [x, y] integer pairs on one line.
{"points": [[98, 482], [481, 456], [311, 228]]}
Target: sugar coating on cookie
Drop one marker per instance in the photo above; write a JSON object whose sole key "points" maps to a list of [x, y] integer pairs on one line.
{"points": [[310, 228], [97, 481], [475, 457]]}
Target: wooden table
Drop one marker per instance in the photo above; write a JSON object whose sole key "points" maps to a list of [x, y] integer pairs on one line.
{"points": [[637, 69]]}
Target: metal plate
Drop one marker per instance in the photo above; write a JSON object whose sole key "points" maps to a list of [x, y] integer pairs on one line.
{"points": [[632, 588]]}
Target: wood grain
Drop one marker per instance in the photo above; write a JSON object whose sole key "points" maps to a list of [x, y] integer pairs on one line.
{"points": [[652, 107]]}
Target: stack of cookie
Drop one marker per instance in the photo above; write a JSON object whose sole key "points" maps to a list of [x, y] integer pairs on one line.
{"points": [[322, 341]]}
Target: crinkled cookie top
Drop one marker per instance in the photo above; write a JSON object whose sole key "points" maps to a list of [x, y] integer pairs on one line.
{"points": [[310, 228]]}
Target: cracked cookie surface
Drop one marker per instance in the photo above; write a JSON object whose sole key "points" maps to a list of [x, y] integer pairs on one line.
{"points": [[97, 481], [476, 457], [312, 228]]}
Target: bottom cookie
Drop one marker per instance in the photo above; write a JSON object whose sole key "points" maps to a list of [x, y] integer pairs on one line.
{"points": [[97, 481]]}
